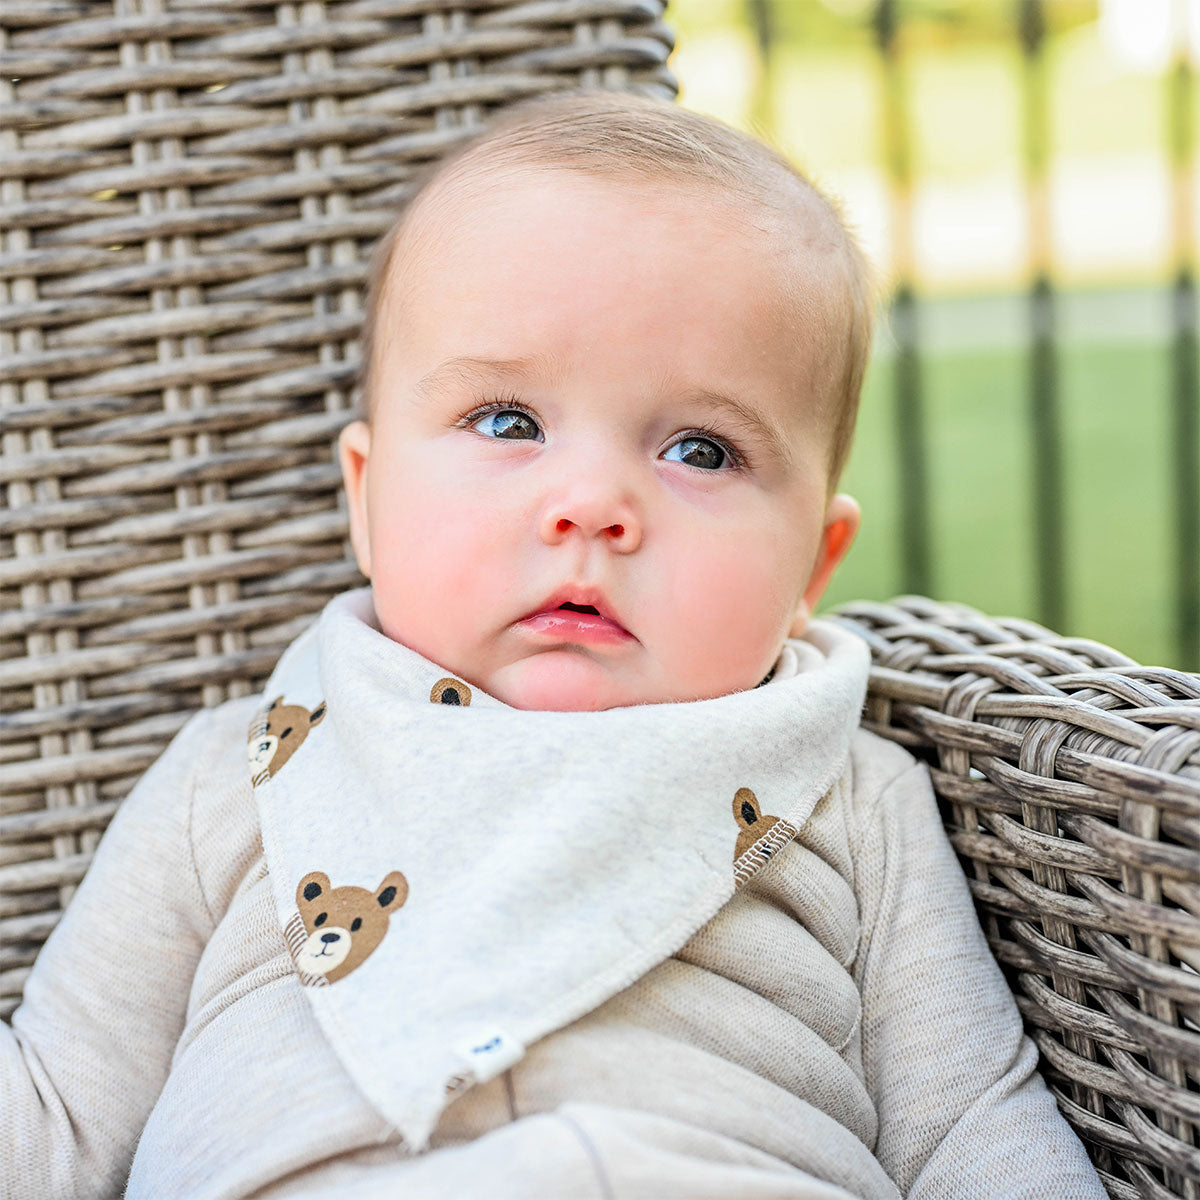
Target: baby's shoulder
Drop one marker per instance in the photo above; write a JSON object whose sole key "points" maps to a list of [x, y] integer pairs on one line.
{"points": [[219, 747], [226, 835], [228, 724], [214, 743], [874, 764]]}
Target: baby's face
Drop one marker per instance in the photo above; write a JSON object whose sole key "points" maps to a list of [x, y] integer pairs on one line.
{"points": [[536, 429]]}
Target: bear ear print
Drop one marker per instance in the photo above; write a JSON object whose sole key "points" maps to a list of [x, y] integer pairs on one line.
{"points": [[745, 808], [314, 717], [277, 700], [392, 892], [314, 884], [450, 691]]}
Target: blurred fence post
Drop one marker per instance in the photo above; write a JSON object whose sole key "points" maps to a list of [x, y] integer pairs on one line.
{"points": [[1185, 386], [762, 100], [915, 566], [1045, 443]]}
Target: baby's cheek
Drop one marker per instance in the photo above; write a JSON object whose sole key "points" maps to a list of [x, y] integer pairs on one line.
{"points": [[737, 607], [434, 574]]}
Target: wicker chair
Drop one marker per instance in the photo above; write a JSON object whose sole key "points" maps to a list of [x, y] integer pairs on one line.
{"points": [[190, 193]]}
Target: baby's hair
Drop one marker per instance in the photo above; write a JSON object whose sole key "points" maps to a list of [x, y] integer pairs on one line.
{"points": [[624, 135]]}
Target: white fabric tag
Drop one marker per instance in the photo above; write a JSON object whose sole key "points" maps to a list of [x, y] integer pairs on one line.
{"points": [[490, 1053]]}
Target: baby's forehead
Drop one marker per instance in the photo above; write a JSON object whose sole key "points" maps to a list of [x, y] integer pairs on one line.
{"points": [[794, 222], [807, 296]]}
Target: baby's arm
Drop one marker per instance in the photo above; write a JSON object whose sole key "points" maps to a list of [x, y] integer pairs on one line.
{"points": [[91, 1045], [962, 1110]]}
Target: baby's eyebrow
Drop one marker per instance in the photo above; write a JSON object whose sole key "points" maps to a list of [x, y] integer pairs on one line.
{"points": [[468, 368], [746, 420]]}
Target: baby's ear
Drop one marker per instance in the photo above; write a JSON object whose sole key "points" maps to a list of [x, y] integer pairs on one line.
{"points": [[354, 451], [842, 518]]}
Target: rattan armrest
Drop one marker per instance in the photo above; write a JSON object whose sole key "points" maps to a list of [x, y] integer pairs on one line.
{"points": [[1069, 780]]}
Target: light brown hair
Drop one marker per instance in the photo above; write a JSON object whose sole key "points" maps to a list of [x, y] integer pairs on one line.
{"points": [[625, 135]]}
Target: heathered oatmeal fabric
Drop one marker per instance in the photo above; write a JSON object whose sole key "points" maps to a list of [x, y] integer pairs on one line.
{"points": [[835, 1028]]}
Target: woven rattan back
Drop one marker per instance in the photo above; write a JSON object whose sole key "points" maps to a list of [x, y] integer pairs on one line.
{"points": [[1069, 778], [190, 192]]}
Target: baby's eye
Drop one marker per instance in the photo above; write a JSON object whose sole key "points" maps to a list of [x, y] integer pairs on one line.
{"points": [[704, 453], [700, 449], [512, 423]]}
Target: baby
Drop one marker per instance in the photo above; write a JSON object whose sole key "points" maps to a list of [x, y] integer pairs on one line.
{"points": [[561, 867]]}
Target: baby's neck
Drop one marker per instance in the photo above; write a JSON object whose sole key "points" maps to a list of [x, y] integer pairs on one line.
{"points": [[769, 676]]}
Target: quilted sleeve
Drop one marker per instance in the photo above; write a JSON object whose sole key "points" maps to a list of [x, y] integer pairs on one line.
{"points": [[962, 1109], [90, 1046]]}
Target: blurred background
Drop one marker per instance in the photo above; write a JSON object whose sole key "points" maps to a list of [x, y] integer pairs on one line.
{"points": [[1024, 176]]}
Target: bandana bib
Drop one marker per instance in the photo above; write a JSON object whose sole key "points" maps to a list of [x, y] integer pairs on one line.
{"points": [[457, 878]]}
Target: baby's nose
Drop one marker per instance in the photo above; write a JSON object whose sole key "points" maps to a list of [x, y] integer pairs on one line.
{"points": [[609, 517], [564, 523], [621, 535]]}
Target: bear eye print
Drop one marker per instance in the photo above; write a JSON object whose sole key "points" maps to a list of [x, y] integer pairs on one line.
{"points": [[356, 925], [285, 733], [321, 919], [712, 451]]}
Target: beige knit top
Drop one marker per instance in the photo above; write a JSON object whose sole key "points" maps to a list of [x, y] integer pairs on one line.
{"points": [[838, 1028]]}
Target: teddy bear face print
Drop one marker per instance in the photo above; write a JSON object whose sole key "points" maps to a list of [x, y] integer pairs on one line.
{"points": [[343, 924], [276, 734]]}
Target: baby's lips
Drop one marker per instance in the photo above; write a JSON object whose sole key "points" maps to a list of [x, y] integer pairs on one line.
{"points": [[588, 617], [586, 627], [582, 596]]}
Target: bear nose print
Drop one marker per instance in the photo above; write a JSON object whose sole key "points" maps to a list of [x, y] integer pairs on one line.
{"points": [[330, 937]]}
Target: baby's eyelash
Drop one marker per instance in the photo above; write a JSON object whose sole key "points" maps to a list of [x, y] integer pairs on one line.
{"points": [[737, 458], [491, 406], [706, 431]]}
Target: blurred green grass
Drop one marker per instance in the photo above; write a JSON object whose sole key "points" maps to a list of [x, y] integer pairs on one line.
{"points": [[1115, 417]]}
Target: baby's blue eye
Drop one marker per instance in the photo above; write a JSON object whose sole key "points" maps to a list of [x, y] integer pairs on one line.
{"points": [[709, 455], [509, 423], [515, 424]]}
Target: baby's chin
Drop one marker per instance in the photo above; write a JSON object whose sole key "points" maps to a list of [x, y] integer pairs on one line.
{"points": [[567, 681], [573, 681]]}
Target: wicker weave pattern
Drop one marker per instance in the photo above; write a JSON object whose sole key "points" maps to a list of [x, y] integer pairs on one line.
{"points": [[189, 195], [1070, 782]]}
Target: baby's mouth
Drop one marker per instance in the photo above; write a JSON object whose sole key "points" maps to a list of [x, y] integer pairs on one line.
{"points": [[590, 614], [576, 622]]}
